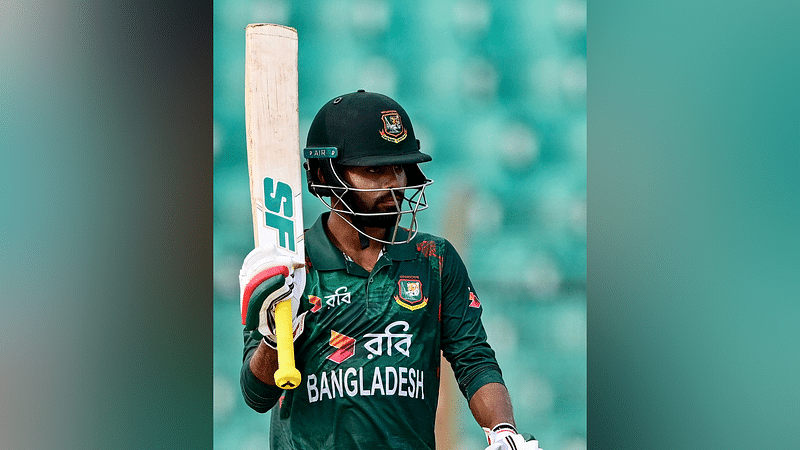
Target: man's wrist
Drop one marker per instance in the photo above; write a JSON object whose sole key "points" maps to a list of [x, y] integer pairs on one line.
{"points": [[498, 431], [264, 362]]}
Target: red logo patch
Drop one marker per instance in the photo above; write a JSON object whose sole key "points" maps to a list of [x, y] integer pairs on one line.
{"points": [[345, 346], [473, 300], [316, 301]]}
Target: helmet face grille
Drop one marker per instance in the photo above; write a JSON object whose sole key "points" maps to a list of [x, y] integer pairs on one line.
{"points": [[408, 200]]}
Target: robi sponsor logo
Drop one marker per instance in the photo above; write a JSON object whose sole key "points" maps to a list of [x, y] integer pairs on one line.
{"points": [[331, 301], [352, 382], [337, 298], [357, 381], [393, 338]]}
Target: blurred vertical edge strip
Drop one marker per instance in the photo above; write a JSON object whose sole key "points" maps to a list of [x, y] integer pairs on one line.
{"points": [[692, 225], [106, 253]]}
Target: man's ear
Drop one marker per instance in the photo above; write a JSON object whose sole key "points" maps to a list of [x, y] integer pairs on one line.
{"points": [[320, 177]]}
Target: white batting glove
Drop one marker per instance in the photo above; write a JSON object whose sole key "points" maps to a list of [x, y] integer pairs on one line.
{"points": [[266, 279], [505, 437]]}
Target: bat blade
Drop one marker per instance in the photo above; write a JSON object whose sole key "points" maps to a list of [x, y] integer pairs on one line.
{"points": [[273, 160]]}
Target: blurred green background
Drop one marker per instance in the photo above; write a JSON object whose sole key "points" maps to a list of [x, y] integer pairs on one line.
{"points": [[496, 92], [105, 225]]}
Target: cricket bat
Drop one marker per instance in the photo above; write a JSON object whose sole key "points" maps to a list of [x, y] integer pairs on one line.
{"points": [[273, 160]]}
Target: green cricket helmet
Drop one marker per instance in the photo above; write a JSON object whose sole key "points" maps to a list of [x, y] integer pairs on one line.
{"points": [[365, 129]]}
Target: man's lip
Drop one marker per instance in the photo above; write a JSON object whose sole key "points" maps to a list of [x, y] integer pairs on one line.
{"points": [[386, 201]]}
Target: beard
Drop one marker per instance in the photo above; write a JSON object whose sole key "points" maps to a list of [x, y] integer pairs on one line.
{"points": [[389, 218], [386, 221]]}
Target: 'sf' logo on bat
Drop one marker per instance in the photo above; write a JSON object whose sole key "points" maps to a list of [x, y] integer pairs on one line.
{"points": [[278, 201]]}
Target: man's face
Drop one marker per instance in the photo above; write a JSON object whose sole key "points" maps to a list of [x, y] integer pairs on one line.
{"points": [[377, 177]]}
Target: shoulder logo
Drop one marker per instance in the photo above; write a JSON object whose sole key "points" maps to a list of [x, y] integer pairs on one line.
{"points": [[393, 129], [473, 300], [427, 248], [409, 293]]}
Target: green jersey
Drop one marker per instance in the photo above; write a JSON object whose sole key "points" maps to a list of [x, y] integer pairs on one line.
{"points": [[370, 351]]}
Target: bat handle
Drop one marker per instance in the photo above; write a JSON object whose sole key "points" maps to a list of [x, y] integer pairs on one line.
{"points": [[287, 376]]}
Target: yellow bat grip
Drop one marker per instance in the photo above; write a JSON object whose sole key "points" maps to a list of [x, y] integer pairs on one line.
{"points": [[287, 376]]}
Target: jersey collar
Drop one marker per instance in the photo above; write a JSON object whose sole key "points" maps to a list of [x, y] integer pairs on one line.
{"points": [[402, 252], [325, 256]]}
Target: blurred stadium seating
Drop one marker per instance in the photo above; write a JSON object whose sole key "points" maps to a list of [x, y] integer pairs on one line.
{"points": [[497, 94]]}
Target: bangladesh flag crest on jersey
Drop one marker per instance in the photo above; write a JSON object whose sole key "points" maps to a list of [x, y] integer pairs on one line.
{"points": [[409, 293]]}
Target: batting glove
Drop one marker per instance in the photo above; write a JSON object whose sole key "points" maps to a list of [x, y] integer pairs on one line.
{"points": [[265, 280], [505, 437]]}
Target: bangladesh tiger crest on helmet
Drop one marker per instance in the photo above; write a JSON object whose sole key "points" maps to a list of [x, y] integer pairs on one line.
{"points": [[393, 129]]}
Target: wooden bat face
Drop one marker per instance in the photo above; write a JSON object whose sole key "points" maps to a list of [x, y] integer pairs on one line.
{"points": [[273, 159]]}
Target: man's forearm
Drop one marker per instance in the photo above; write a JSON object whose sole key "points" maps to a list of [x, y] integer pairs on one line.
{"points": [[264, 363], [491, 405], [257, 379]]}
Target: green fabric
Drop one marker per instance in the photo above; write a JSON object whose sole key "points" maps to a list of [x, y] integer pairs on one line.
{"points": [[359, 390]]}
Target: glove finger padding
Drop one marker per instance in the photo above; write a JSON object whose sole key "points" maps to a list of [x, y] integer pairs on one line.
{"points": [[261, 264], [299, 282], [258, 299], [265, 282], [267, 278], [292, 290]]}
